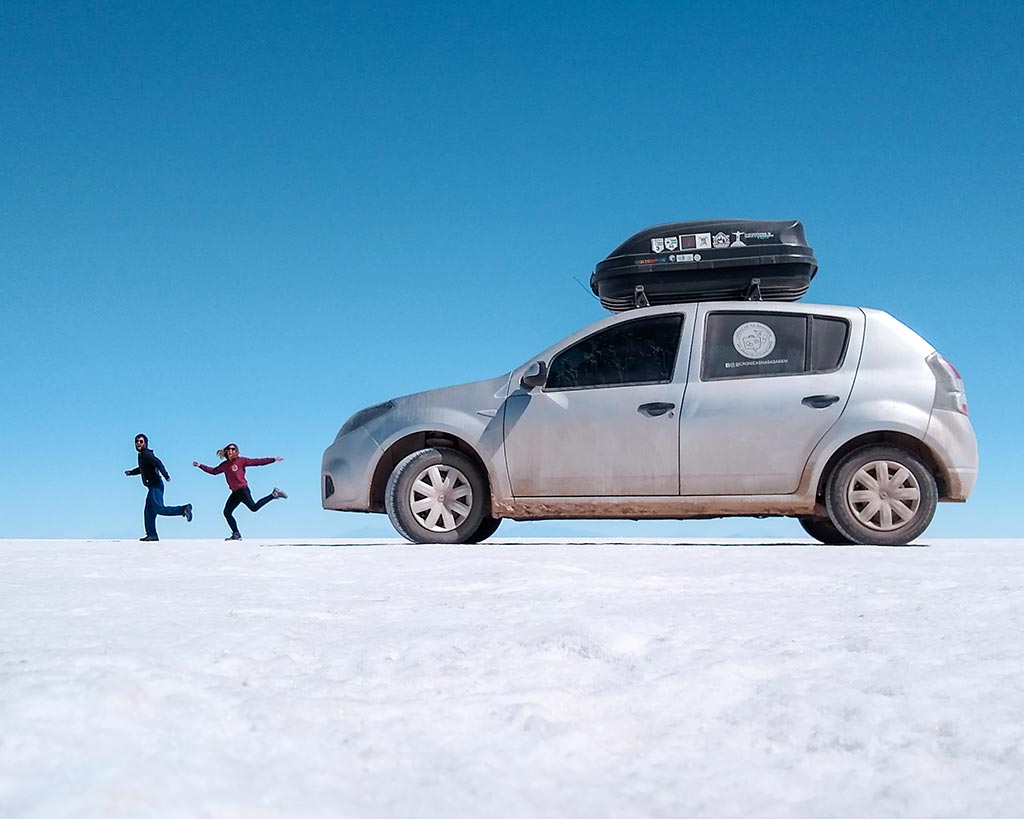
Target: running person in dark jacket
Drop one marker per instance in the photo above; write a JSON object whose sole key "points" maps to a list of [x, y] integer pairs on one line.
{"points": [[233, 466], [151, 468]]}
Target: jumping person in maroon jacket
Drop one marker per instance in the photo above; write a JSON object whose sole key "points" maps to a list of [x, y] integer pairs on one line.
{"points": [[233, 466]]}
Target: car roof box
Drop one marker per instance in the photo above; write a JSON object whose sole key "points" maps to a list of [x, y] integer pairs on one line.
{"points": [[715, 260]]}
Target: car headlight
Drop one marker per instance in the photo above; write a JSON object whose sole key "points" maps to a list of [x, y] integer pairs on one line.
{"points": [[364, 416]]}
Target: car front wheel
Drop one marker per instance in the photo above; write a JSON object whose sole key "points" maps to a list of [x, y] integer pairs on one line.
{"points": [[436, 495], [881, 495], [488, 526]]}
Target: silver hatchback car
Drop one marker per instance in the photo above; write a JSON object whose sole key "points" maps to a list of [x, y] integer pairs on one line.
{"points": [[839, 416]]}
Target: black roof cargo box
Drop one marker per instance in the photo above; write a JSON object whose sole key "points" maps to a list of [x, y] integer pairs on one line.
{"points": [[706, 261]]}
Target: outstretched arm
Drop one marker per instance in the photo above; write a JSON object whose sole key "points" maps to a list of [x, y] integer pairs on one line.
{"points": [[210, 470], [259, 461], [135, 471]]}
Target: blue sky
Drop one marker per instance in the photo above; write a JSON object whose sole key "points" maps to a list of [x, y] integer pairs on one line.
{"points": [[246, 221]]}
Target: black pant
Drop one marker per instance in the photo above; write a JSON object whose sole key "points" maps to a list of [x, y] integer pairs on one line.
{"points": [[237, 498]]}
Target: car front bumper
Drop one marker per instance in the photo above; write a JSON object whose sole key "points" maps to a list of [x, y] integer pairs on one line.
{"points": [[347, 472]]}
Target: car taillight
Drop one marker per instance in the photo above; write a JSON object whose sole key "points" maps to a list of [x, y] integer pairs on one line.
{"points": [[949, 386]]}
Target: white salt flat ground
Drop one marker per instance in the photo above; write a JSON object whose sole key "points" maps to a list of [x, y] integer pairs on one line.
{"points": [[521, 679]]}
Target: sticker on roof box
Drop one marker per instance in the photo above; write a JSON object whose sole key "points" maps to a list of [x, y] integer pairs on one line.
{"points": [[721, 239], [753, 340], [688, 241]]}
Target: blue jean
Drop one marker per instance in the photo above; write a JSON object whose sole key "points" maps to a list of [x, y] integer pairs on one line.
{"points": [[155, 506]]}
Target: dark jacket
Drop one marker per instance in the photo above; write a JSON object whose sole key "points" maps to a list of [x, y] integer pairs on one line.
{"points": [[150, 467]]}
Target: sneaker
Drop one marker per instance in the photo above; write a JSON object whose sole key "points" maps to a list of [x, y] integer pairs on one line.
{"points": [[149, 538], [188, 512], [277, 493], [233, 536]]}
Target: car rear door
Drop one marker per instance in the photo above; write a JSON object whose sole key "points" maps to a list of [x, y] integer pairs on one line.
{"points": [[765, 386]]}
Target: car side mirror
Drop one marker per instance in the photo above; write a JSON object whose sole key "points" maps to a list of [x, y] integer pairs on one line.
{"points": [[535, 376]]}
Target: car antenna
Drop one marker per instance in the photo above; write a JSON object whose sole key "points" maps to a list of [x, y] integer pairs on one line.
{"points": [[589, 292]]}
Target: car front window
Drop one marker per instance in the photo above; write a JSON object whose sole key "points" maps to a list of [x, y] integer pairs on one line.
{"points": [[636, 352]]}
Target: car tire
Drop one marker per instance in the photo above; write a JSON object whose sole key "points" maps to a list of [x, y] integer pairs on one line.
{"points": [[488, 526], [824, 531], [881, 495], [436, 495]]}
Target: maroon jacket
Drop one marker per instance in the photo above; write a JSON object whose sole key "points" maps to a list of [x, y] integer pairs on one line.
{"points": [[234, 470]]}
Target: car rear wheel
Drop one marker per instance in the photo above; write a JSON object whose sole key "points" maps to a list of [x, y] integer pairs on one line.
{"points": [[824, 531], [881, 495], [436, 495]]}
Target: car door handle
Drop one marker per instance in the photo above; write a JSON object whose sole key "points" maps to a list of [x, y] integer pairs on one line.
{"points": [[655, 408], [820, 401]]}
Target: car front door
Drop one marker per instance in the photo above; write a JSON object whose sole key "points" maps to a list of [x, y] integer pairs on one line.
{"points": [[765, 387], [606, 421]]}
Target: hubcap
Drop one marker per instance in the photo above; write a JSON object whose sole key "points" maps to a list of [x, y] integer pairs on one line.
{"points": [[884, 495], [441, 498]]}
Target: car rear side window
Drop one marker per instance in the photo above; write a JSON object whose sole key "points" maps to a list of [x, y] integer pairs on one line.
{"points": [[637, 352], [746, 344], [741, 345], [828, 343]]}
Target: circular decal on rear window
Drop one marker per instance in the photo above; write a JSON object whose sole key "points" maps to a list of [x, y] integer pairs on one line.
{"points": [[753, 340]]}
